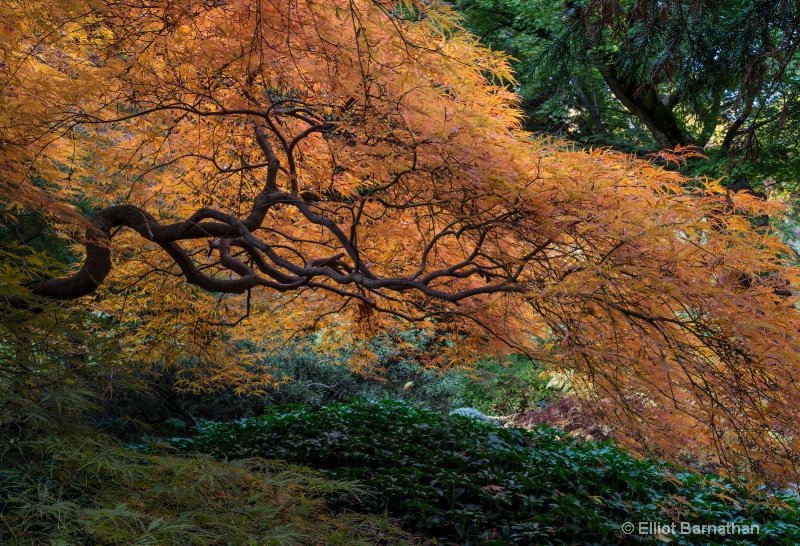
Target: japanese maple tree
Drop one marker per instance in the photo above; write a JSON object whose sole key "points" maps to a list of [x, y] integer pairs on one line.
{"points": [[341, 166]]}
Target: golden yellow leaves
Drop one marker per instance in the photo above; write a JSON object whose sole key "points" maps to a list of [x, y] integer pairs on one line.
{"points": [[400, 161]]}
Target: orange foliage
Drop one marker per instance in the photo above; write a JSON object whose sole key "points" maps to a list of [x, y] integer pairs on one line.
{"points": [[338, 166]]}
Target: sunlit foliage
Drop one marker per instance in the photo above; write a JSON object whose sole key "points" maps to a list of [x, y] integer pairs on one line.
{"points": [[340, 167]]}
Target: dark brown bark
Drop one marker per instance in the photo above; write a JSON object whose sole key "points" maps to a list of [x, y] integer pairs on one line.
{"points": [[644, 102], [97, 264], [591, 108], [735, 128], [256, 262], [271, 270]]}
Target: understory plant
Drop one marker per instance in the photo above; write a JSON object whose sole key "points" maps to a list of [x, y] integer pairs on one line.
{"points": [[511, 386], [464, 481], [86, 489]]}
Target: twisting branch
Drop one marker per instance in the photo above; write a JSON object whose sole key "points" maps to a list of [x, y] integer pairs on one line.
{"points": [[344, 272]]}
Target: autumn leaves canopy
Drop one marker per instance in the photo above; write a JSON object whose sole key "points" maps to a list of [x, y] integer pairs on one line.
{"points": [[337, 166]]}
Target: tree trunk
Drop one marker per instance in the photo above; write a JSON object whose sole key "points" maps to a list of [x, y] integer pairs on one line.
{"points": [[645, 103], [594, 112]]}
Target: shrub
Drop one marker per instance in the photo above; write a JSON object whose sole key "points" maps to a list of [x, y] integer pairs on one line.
{"points": [[510, 387], [316, 379], [466, 482], [89, 490], [304, 376]]}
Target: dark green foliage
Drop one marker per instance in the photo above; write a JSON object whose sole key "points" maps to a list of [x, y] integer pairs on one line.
{"points": [[512, 387], [307, 377], [62, 483], [27, 233], [567, 99], [85, 489], [650, 74], [467, 482], [316, 379], [494, 387], [51, 366]]}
